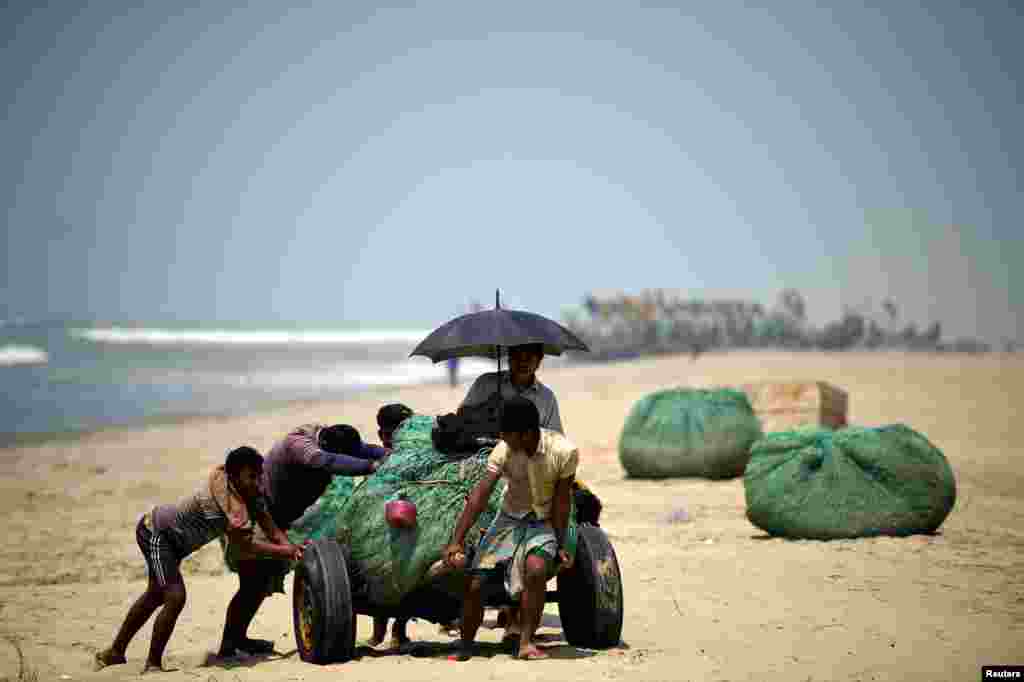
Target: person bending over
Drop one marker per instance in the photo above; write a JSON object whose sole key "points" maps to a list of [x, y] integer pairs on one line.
{"points": [[297, 472]]}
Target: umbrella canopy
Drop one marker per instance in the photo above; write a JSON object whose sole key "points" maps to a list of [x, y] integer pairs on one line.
{"points": [[482, 334]]}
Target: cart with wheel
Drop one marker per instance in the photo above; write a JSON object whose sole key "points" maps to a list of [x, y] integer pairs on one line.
{"points": [[401, 574], [328, 593], [338, 580]]}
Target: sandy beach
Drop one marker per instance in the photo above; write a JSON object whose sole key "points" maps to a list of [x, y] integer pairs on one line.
{"points": [[709, 598]]}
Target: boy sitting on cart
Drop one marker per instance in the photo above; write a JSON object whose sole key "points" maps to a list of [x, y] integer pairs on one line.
{"points": [[526, 540]]}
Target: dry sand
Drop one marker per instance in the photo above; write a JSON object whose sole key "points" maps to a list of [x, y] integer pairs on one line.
{"points": [[711, 598]]}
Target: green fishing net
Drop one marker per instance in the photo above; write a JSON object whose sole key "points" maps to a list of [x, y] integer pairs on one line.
{"points": [[850, 483], [689, 432], [392, 562]]}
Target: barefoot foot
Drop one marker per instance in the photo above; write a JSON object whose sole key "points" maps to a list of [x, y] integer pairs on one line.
{"points": [[151, 667], [530, 652], [464, 652], [108, 657], [256, 646]]}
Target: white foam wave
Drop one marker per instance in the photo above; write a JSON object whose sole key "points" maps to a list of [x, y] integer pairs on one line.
{"points": [[419, 372], [340, 378], [397, 374], [22, 355], [188, 337]]}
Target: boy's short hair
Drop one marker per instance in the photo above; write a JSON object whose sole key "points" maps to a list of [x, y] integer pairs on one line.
{"points": [[242, 457], [588, 505], [519, 415], [390, 416], [341, 439]]}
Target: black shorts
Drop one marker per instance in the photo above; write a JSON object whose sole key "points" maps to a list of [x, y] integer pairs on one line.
{"points": [[161, 558]]}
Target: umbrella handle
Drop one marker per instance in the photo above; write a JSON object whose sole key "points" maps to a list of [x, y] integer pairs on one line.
{"points": [[500, 399]]}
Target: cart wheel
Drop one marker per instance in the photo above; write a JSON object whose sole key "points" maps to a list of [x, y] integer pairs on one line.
{"points": [[590, 594], [325, 625]]}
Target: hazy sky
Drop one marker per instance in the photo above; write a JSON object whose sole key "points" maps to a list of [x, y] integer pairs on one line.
{"points": [[172, 161]]}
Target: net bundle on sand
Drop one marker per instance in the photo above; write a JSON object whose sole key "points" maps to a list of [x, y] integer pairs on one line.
{"points": [[856, 482], [393, 562], [689, 432]]}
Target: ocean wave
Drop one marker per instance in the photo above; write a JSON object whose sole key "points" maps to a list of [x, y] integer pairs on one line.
{"points": [[22, 355], [343, 377], [419, 372], [221, 337]]}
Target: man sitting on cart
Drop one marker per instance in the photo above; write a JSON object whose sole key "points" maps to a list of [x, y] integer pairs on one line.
{"points": [[525, 543]]}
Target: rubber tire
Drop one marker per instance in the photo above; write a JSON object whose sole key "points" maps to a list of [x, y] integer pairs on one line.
{"points": [[590, 601], [322, 576]]}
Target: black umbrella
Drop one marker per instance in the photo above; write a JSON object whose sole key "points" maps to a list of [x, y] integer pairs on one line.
{"points": [[484, 333]]}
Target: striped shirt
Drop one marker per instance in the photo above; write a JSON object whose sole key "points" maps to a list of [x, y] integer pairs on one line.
{"points": [[196, 520]]}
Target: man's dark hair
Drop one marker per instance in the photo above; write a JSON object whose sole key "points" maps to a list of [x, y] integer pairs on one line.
{"points": [[390, 416], [341, 439], [242, 457], [519, 415], [535, 348]]}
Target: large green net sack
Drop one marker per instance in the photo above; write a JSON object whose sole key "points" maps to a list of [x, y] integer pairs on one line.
{"points": [[393, 562], [689, 432], [321, 520], [856, 482]]}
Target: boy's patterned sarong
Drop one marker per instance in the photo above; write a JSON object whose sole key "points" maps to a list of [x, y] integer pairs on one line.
{"points": [[506, 544]]}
